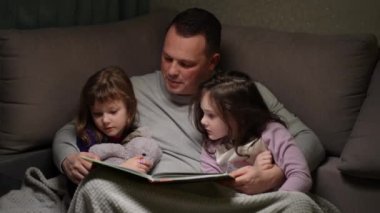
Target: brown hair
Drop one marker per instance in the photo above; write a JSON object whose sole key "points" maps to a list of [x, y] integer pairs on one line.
{"points": [[239, 103], [197, 21], [108, 84]]}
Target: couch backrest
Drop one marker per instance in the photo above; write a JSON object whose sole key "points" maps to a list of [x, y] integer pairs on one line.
{"points": [[323, 79], [42, 72]]}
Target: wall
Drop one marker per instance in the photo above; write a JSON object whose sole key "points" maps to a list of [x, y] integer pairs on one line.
{"points": [[30, 14], [316, 16]]}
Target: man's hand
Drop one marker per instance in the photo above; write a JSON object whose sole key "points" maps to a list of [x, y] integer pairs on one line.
{"points": [[263, 176], [75, 167], [252, 180], [138, 163]]}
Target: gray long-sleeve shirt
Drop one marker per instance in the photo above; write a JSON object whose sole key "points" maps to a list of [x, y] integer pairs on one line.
{"points": [[167, 116]]}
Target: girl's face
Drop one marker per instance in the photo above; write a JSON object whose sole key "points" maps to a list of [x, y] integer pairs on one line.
{"points": [[214, 125], [110, 117]]}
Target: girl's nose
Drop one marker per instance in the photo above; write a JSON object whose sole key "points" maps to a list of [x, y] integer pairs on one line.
{"points": [[203, 121], [105, 119]]}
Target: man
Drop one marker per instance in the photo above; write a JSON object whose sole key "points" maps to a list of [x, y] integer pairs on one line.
{"points": [[189, 56]]}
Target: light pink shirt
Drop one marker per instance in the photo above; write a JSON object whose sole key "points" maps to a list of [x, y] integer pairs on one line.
{"points": [[286, 155]]}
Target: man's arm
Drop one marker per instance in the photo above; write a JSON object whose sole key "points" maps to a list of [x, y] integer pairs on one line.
{"points": [[305, 138], [64, 144], [66, 155]]}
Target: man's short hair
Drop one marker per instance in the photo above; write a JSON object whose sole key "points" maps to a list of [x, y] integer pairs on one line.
{"points": [[196, 21]]}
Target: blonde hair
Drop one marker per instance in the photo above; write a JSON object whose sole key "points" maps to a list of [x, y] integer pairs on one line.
{"points": [[108, 84]]}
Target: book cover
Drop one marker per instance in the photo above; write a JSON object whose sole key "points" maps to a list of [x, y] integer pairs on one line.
{"points": [[167, 176]]}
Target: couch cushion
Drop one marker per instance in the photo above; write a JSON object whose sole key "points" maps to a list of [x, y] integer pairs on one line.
{"points": [[42, 72], [360, 156], [321, 78], [13, 167], [349, 194]]}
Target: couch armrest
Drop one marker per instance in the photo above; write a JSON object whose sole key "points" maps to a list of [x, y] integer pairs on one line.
{"points": [[13, 167], [360, 156]]}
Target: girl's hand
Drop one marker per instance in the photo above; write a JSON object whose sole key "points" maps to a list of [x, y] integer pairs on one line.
{"points": [[138, 164], [264, 161]]}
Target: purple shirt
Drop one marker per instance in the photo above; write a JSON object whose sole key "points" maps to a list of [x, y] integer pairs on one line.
{"points": [[286, 155]]}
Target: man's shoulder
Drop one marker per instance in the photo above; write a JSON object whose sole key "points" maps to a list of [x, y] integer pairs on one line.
{"points": [[146, 79], [264, 91], [144, 76]]}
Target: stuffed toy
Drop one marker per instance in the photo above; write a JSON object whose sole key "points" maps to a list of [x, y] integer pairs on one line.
{"points": [[137, 143]]}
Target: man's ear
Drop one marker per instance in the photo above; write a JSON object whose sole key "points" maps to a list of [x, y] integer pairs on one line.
{"points": [[214, 61]]}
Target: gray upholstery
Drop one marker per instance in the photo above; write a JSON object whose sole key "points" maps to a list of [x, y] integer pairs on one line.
{"points": [[321, 78], [349, 194], [13, 167], [42, 72], [360, 156]]}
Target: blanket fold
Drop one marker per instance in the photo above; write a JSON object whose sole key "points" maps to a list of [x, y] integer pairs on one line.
{"points": [[37, 194], [107, 190]]}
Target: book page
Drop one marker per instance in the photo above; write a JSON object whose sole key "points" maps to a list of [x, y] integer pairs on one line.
{"points": [[177, 177], [130, 171], [166, 177]]}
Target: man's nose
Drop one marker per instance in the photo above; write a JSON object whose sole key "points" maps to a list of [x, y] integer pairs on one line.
{"points": [[173, 69]]}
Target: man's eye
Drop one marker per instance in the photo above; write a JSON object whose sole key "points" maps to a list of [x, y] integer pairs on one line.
{"points": [[185, 65], [168, 59]]}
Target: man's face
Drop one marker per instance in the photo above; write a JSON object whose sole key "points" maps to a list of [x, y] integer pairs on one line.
{"points": [[184, 62]]}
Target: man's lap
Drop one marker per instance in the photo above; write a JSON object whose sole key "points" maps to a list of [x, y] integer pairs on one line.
{"points": [[108, 190]]}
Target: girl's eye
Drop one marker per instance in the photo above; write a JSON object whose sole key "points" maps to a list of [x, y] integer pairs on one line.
{"points": [[97, 114], [211, 116], [113, 112]]}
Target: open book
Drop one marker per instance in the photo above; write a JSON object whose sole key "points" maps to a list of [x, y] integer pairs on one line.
{"points": [[167, 176]]}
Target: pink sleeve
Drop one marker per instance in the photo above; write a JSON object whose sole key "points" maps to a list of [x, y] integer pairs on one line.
{"points": [[288, 157], [208, 162]]}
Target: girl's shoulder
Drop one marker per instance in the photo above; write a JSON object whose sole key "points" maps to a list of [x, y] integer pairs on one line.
{"points": [[275, 125], [275, 128], [143, 131], [212, 146], [276, 135]]}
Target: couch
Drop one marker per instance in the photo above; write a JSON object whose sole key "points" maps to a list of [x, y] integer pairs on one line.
{"points": [[331, 82]]}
